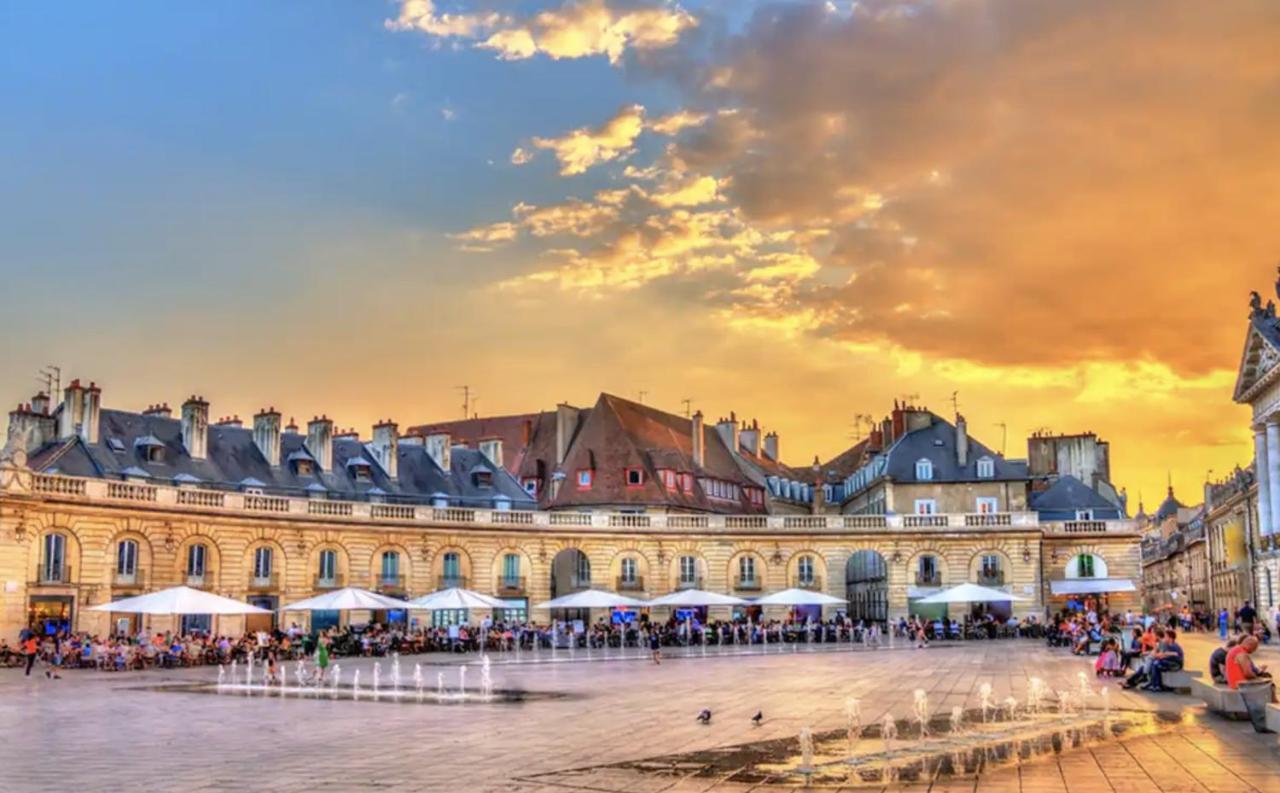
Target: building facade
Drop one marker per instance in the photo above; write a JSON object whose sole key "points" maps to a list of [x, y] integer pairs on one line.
{"points": [[1231, 518], [1175, 558]]}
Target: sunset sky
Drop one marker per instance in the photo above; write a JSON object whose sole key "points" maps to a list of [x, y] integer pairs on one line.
{"points": [[794, 210]]}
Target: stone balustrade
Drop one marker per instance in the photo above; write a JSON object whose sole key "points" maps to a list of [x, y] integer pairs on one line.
{"points": [[196, 499]]}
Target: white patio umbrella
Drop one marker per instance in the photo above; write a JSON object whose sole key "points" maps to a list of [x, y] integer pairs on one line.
{"points": [[798, 597], [456, 598], [969, 593], [179, 600], [347, 599], [591, 599], [688, 598]]}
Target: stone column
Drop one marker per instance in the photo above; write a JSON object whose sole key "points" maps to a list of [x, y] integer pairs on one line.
{"points": [[1273, 473], [1260, 464]]}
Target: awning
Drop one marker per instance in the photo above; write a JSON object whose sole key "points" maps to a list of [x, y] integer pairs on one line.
{"points": [[917, 592], [1090, 586]]}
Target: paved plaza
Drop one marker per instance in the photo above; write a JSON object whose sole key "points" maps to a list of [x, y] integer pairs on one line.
{"points": [[93, 731]]}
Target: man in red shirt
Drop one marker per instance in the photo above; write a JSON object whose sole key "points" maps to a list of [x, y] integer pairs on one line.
{"points": [[29, 648]]}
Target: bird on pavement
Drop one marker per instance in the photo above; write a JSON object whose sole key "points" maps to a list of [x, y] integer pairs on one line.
{"points": [[759, 717], [704, 717]]}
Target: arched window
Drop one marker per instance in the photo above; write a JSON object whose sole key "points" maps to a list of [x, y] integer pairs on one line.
{"points": [[924, 469], [451, 569], [583, 573], [629, 571], [391, 567], [1087, 565], [746, 570], [197, 558], [327, 568], [989, 571], [126, 561], [53, 567], [804, 570], [262, 561], [927, 573], [986, 468], [688, 572]]}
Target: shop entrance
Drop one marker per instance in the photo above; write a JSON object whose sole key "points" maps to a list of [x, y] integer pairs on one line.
{"points": [[49, 614]]}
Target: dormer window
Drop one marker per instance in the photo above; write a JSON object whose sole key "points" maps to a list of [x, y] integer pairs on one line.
{"points": [[304, 467], [686, 484], [924, 469], [986, 468], [584, 478], [481, 476], [361, 469], [530, 485], [668, 478], [150, 449], [635, 477]]}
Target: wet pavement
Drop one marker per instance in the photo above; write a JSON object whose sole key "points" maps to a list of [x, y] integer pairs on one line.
{"points": [[605, 724]]}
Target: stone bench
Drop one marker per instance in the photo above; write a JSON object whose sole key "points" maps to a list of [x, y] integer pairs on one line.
{"points": [[1180, 680], [1219, 699], [1273, 717]]}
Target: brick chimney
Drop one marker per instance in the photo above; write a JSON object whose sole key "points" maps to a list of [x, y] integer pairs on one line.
{"points": [[229, 421], [266, 435], [32, 428], [161, 410], [41, 404], [320, 441], [962, 441], [292, 427], [439, 447], [727, 429], [750, 438], [195, 427], [71, 420], [771, 446], [699, 440], [385, 447]]}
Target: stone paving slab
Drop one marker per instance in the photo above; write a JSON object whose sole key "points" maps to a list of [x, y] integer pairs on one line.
{"points": [[90, 728]]}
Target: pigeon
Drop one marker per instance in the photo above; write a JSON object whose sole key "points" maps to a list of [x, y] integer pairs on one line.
{"points": [[704, 717], [759, 717]]}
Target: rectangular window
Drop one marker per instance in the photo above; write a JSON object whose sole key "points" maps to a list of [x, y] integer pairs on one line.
{"points": [[926, 506], [629, 570], [747, 569], [262, 563], [511, 569], [195, 560], [55, 546], [635, 477], [688, 569], [686, 483], [531, 486], [328, 565], [669, 479], [584, 479], [1084, 514], [990, 566], [988, 505]]}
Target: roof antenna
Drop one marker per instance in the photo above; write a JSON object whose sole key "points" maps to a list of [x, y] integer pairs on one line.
{"points": [[643, 394], [955, 404], [52, 379], [466, 399], [1004, 436], [688, 406]]}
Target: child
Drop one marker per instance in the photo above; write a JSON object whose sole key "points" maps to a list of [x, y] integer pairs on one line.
{"points": [[1108, 663]]}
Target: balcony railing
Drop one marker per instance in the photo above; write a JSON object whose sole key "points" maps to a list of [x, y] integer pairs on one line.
{"points": [[131, 578], [390, 583], [689, 583], [635, 584], [269, 506], [811, 582], [751, 584], [509, 586], [451, 581], [199, 580], [264, 583], [928, 579], [334, 581], [53, 576], [993, 579]]}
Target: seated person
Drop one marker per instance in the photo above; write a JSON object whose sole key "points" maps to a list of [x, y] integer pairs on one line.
{"points": [[1241, 670], [1168, 658], [1218, 662]]}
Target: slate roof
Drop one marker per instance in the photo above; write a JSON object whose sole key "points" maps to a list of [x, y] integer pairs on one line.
{"points": [[937, 443], [1067, 494], [519, 434], [1169, 507], [234, 459], [619, 434]]}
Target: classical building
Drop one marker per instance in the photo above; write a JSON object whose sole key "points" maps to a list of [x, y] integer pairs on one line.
{"points": [[1175, 558], [100, 504], [1231, 520], [1258, 386]]}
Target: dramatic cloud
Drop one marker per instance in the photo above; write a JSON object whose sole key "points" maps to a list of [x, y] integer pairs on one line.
{"points": [[576, 29], [582, 148]]}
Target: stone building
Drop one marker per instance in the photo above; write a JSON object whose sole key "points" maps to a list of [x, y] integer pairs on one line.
{"points": [[1175, 558], [1231, 520], [1258, 386], [99, 504]]}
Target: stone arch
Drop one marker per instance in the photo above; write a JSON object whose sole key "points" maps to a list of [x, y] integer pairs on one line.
{"points": [[342, 561], [915, 568], [570, 571], [867, 585], [391, 579], [462, 576], [61, 570], [144, 563], [1077, 566], [736, 572], [1004, 568], [817, 570], [279, 562], [642, 580], [212, 559], [677, 576], [497, 570]]}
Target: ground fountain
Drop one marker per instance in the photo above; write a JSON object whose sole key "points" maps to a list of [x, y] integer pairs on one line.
{"points": [[806, 754], [957, 720], [920, 707], [888, 731], [395, 670], [462, 681], [417, 679], [984, 701], [852, 722], [486, 679], [377, 676], [1036, 692]]}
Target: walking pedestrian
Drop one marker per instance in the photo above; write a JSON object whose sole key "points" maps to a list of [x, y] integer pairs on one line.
{"points": [[30, 647]]}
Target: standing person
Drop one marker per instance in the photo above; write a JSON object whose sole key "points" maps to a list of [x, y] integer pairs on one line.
{"points": [[30, 647], [1223, 619], [1246, 615], [322, 658], [655, 647]]}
